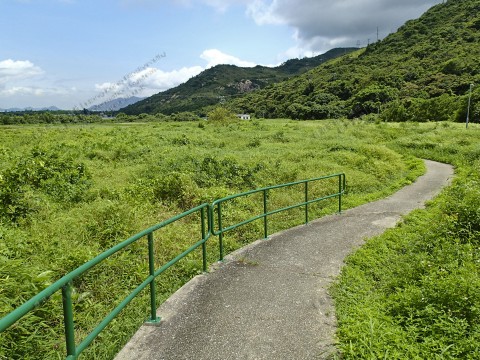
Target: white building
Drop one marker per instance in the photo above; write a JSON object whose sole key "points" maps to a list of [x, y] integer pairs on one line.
{"points": [[243, 116]]}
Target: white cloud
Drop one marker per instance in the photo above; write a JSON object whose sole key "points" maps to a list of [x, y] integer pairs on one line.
{"points": [[32, 90], [145, 83], [152, 80], [264, 13], [163, 80], [322, 24], [106, 86], [24, 84], [20, 90], [11, 70], [216, 57], [297, 52]]}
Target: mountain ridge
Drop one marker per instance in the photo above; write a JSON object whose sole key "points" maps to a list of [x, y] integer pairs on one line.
{"points": [[29, 108], [216, 84], [422, 72], [115, 104]]}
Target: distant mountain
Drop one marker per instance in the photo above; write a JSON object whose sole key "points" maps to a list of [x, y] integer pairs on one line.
{"points": [[223, 82], [116, 104], [50, 108], [423, 72]]}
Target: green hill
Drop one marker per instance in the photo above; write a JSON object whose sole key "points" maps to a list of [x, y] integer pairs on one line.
{"points": [[223, 82], [422, 72]]}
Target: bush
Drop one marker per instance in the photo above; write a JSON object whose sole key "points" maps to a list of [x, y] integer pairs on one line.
{"points": [[221, 116], [23, 185], [370, 99], [462, 108], [442, 108], [177, 188], [227, 172]]}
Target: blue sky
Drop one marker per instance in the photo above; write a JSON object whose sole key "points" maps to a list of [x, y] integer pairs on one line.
{"points": [[69, 53]]}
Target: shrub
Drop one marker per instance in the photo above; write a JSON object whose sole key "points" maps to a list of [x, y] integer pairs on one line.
{"points": [[23, 185], [177, 188], [370, 99], [221, 116]]}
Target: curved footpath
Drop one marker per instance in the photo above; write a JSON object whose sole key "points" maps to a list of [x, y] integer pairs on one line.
{"points": [[269, 300]]}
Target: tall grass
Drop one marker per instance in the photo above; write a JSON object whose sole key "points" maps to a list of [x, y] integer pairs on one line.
{"points": [[414, 292], [138, 175]]}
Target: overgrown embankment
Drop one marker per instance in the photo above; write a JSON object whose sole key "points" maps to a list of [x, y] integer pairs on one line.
{"points": [[414, 292]]}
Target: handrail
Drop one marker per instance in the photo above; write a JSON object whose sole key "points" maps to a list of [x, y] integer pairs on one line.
{"points": [[217, 206], [65, 284], [207, 212]]}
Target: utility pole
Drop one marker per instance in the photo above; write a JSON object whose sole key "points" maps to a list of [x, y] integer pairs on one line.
{"points": [[377, 33], [469, 102]]}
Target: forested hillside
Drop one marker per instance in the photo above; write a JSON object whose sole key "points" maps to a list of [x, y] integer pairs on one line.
{"points": [[422, 72], [223, 82]]}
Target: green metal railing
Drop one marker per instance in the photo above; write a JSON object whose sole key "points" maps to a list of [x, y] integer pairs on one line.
{"points": [[217, 205], [207, 214], [65, 283]]}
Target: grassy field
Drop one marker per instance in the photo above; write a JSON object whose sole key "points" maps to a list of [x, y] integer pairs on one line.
{"points": [[70, 192], [414, 292]]}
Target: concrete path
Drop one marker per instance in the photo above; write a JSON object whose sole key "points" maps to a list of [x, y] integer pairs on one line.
{"points": [[270, 300]]}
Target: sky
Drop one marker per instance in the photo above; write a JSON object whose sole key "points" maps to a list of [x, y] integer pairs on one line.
{"points": [[78, 53]]}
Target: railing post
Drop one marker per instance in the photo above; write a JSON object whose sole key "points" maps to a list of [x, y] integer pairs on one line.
{"points": [[68, 319], [340, 189], [306, 202], [265, 211], [220, 230], [151, 267], [204, 245]]}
